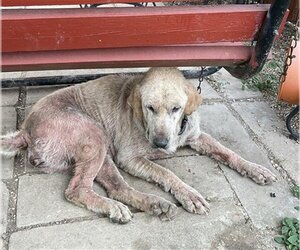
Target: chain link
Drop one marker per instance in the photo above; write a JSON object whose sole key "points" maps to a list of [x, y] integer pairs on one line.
{"points": [[290, 56], [200, 80]]}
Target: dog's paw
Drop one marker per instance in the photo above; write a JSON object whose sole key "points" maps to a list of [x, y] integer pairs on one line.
{"points": [[119, 213], [164, 209], [192, 201], [260, 174]]}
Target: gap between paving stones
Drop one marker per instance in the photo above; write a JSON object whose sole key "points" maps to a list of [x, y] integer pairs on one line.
{"points": [[274, 161], [60, 222]]}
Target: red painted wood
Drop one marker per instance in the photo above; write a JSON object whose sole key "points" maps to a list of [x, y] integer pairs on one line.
{"points": [[218, 54], [73, 2], [64, 29]]}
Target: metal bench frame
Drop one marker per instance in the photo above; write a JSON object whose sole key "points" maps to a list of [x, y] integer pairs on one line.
{"points": [[237, 37]]}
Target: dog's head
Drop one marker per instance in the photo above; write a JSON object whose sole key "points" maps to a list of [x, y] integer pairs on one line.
{"points": [[160, 103]]}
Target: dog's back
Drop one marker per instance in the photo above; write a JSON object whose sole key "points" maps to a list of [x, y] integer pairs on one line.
{"points": [[101, 100]]}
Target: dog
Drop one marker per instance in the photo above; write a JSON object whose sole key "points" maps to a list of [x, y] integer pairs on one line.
{"points": [[123, 121]]}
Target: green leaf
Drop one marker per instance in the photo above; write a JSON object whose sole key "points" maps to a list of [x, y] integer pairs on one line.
{"points": [[285, 229], [279, 239], [297, 208], [296, 191], [292, 230], [287, 222], [293, 239]]}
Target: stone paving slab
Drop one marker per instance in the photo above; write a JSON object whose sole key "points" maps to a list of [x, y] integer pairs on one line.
{"points": [[72, 72], [9, 121], [201, 173], [8, 124], [231, 87], [41, 200], [9, 97], [272, 131], [263, 210], [207, 92], [4, 206], [186, 231], [7, 165]]}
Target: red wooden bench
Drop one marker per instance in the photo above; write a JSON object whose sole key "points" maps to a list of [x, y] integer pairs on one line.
{"points": [[238, 37]]}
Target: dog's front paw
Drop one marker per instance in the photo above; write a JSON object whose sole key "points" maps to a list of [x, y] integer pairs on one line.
{"points": [[164, 209], [192, 201], [260, 174], [119, 213]]}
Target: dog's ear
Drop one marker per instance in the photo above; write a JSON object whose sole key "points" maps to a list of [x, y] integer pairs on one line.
{"points": [[134, 101], [194, 99]]}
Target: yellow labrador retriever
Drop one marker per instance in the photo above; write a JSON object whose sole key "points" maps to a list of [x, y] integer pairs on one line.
{"points": [[123, 121]]}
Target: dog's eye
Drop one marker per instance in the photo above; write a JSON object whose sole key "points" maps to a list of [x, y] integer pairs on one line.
{"points": [[175, 109], [150, 108]]}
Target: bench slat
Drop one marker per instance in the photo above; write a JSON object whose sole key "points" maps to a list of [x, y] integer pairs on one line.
{"points": [[74, 2], [71, 29], [223, 54]]}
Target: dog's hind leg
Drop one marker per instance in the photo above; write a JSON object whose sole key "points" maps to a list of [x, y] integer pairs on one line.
{"points": [[89, 152], [80, 191], [111, 179]]}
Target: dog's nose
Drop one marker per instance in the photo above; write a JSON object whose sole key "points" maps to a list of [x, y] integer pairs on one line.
{"points": [[161, 142]]}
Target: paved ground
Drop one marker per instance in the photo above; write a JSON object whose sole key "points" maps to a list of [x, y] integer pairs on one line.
{"points": [[243, 215]]}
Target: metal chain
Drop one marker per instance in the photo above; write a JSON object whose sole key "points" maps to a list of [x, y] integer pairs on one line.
{"points": [[200, 80], [290, 56]]}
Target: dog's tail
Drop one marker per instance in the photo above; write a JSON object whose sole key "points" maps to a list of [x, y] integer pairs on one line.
{"points": [[12, 143]]}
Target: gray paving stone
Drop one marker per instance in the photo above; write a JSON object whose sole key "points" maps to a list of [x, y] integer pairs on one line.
{"points": [[273, 133], [7, 165], [41, 200], [9, 97], [4, 205], [207, 91], [1, 243], [9, 120], [28, 74], [197, 171], [262, 209], [52, 73], [13, 75], [201, 173], [232, 87], [186, 231]]}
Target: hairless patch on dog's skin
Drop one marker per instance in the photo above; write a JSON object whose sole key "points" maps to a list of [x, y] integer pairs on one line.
{"points": [[123, 121]]}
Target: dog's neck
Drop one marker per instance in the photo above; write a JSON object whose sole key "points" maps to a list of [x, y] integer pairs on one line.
{"points": [[183, 125]]}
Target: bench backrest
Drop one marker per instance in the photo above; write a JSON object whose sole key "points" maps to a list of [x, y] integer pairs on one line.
{"points": [[61, 38]]}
